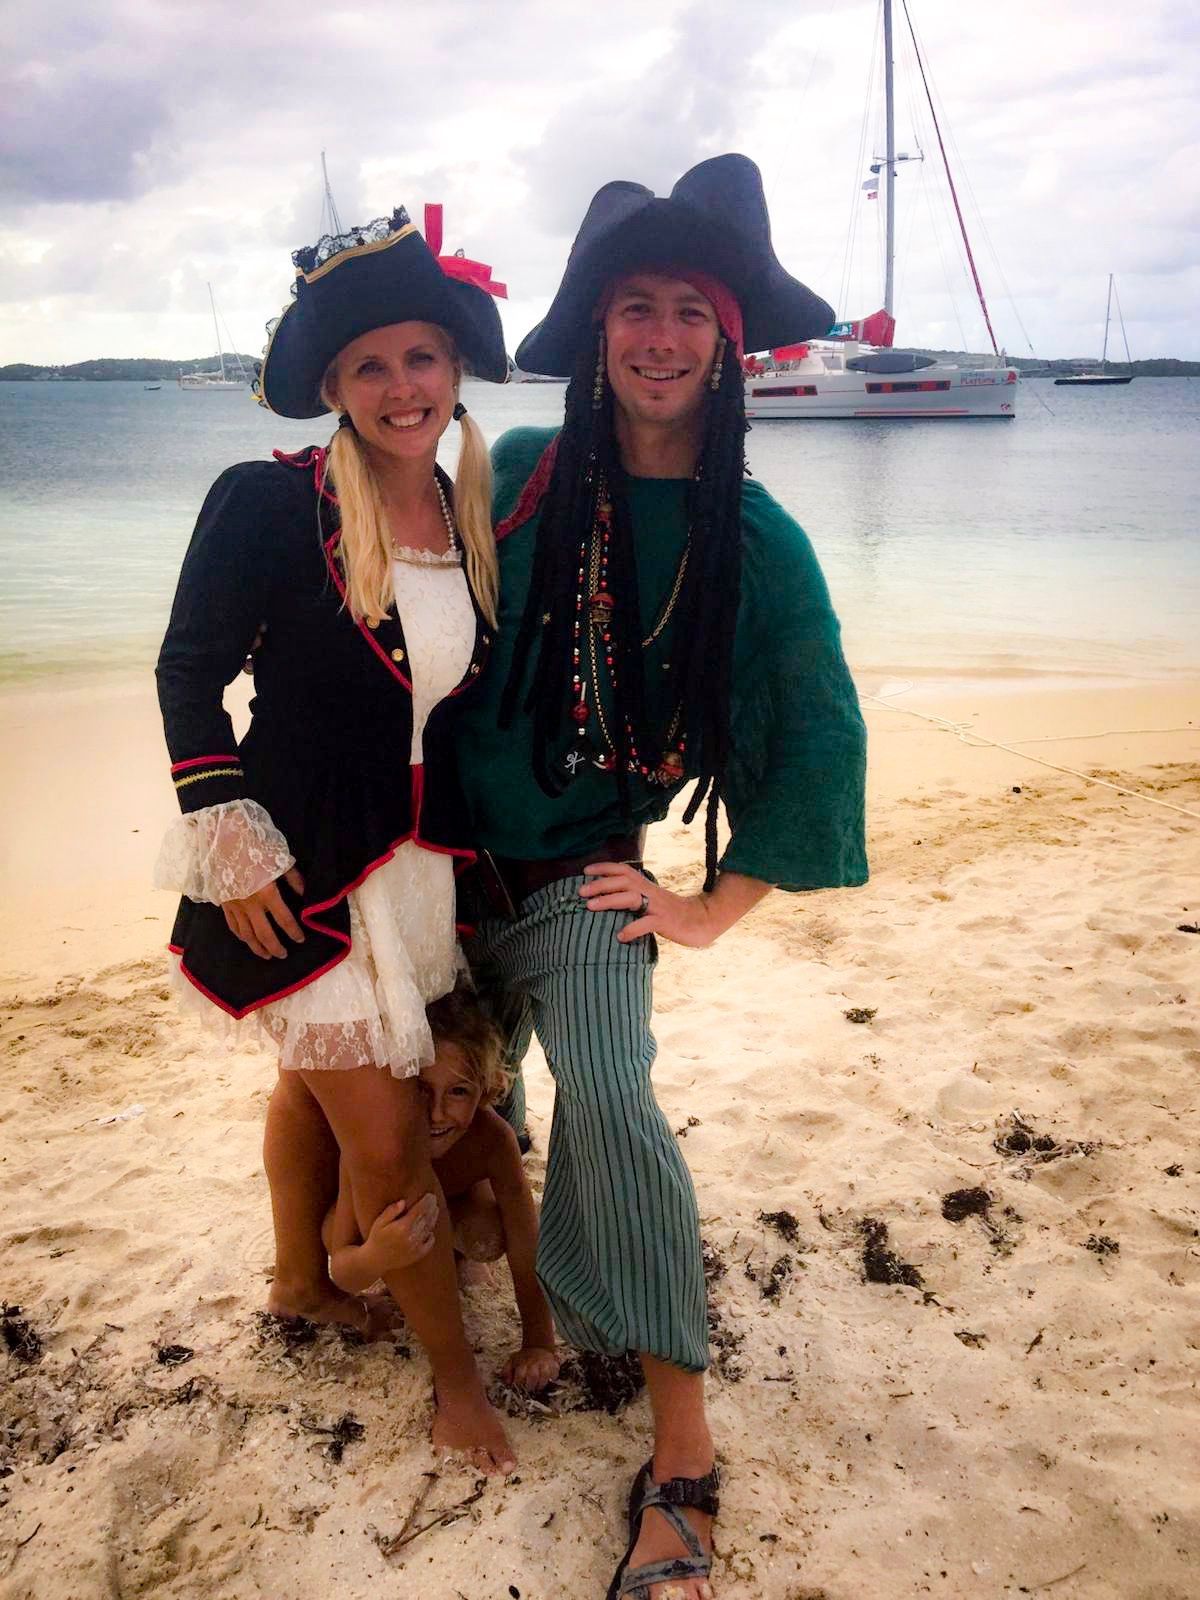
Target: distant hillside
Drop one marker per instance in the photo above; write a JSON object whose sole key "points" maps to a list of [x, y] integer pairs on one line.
{"points": [[1163, 367], [147, 370], [143, 369]]}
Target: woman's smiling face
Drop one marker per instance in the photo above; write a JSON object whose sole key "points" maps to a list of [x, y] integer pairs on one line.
{"points": [[398, 384]]}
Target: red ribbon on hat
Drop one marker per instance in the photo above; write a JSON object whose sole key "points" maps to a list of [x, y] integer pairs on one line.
{"points": [[459, 267]]}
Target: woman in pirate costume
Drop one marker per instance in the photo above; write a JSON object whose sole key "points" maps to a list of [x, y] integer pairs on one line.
{"points": [[317, 857], [661, 620]]}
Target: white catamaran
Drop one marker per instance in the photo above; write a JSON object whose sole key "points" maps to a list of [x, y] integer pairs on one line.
{"points": [[853, 372], [1104, 378], [224, 378]]}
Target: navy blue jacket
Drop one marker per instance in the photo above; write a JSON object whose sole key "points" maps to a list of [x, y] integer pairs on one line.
{"points": [[327, 752]]}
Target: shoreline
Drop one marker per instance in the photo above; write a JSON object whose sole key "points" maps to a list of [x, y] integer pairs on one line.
{"points": [[125, 673]]}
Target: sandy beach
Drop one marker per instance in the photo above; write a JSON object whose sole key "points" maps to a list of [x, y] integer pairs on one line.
{"points": [[944, 1132]]}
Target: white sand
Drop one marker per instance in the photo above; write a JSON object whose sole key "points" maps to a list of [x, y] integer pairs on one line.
{"points": [[1026, 1424]]}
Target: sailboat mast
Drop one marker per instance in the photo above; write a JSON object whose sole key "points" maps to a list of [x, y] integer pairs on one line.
{"points": [[335, 222], [889, 112], [216, 330], [1107, 320]]}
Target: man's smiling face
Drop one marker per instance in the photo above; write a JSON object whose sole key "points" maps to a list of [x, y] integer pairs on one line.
{"points": [[662, 337]]}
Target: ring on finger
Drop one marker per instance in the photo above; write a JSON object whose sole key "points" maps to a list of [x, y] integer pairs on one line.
{"points": [[645, 905]]}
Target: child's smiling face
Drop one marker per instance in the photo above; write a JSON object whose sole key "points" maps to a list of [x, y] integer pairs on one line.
{"points": [[452, 1097]]}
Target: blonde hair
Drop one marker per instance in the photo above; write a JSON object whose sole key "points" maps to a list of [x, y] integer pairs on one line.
{"points": [[459, 1019], [366, 541]]}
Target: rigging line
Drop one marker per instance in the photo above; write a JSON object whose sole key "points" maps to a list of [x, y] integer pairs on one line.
{"points": [[812, 67], [856, 190], [977, 741], [936, 234], [1105, 733], [231, 350], [1121, 320], [953, 192], [980, 221]]}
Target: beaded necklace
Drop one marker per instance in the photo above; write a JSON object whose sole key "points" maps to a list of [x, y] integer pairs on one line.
{"points": [[404, 552], [591, 631]]}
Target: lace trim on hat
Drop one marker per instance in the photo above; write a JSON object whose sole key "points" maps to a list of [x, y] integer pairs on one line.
{"points": [[312, 256]]}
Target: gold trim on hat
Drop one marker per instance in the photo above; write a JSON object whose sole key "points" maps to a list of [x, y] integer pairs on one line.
{"points": [[356, 250], [261, 396]]}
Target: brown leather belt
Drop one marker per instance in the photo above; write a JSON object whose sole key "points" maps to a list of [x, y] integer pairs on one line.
{"points": [[523, 878]]}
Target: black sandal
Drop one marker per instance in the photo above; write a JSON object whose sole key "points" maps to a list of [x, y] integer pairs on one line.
{"points": [[700, 1493]]}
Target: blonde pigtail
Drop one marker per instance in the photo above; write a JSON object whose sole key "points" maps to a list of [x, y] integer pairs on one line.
{"points": [[365, 542], [473, 513]]}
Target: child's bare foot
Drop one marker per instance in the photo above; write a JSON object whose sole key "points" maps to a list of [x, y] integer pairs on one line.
{"points": [[465, 1423], [473, 1273], [328, 1307]]}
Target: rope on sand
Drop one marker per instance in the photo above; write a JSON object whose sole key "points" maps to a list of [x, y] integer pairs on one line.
{"points": [[964, 732]]}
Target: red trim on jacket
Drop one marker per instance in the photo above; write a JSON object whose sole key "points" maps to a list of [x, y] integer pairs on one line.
{"points": [[335, 572], [206, 761], [315, 457], [532, 494], [308, 914]]}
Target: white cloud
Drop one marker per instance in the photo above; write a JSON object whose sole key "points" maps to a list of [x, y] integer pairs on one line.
{"points": [[152, 147]]}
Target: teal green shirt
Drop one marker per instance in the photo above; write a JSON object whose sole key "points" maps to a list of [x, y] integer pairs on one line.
{"points": [[794, 785]]}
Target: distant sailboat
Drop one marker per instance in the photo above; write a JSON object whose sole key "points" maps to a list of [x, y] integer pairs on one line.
{"points": [[852, 371], [221, 379], [1104, 378]]}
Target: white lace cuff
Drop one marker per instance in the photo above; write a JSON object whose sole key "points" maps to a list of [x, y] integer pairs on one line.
{"points": [[222, 852]]}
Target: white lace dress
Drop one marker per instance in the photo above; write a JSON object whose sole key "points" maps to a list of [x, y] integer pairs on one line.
{"points": [[370, 1008]]}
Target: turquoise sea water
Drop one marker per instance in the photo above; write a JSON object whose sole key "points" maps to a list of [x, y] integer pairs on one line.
{"points": [[1062, 543]]}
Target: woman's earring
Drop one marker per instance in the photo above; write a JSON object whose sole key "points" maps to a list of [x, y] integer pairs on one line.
{"points": [[459, 411], [714, 382], [601, 372]]}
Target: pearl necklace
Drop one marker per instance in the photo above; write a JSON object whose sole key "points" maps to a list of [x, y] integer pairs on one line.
{"points": [[405, 552]]}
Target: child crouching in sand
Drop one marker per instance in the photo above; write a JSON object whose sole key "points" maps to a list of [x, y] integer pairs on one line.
{"points": [[478, 1164]]}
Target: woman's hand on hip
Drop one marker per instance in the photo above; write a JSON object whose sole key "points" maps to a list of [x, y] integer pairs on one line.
{"points": [[255, 919], [619, 886]]}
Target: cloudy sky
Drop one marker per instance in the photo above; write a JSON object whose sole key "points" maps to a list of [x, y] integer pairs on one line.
{"points": [[150, 146]]}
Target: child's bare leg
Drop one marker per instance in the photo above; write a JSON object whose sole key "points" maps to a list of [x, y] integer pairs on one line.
{"points": [[300, 1155], [379, 1123], [477, 1222]]}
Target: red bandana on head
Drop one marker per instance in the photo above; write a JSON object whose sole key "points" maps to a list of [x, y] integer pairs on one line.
{"points": [[718, 295]]}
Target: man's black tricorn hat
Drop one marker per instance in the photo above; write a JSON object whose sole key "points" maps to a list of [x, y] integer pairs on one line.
{"points": [[369, 278], [715, 220]]}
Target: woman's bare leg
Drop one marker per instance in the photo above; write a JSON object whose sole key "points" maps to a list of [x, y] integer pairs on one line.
{"points": [[300, 1155], [379, 1122]]}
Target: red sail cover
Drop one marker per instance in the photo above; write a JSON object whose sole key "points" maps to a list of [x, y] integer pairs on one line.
{"points": [[790, 352], [877, 329]]}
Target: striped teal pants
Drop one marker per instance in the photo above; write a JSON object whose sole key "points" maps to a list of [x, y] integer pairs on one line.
{"points": [[619, 1248]]}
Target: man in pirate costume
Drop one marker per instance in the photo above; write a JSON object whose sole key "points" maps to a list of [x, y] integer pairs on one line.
{"points": [[662, 621]]}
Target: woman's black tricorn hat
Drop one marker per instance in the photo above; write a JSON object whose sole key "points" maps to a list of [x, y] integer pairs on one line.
{"points": [[385, 272], [715, 220]]}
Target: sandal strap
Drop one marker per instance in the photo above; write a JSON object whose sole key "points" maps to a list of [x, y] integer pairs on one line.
{"points": [[702, 1494], [636, 1582]]}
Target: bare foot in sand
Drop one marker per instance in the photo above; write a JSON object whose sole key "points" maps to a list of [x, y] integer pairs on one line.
{"points": [[473, 1274], [465, 1423], [374, 1316]]}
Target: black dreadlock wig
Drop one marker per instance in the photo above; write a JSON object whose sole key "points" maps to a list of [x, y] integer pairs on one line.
{"points": [[705, 614]]}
